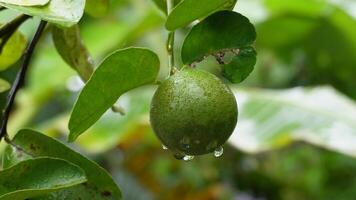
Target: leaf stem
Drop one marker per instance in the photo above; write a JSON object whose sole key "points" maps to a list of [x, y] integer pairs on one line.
{"points": [[20, 78], [170, 41]]}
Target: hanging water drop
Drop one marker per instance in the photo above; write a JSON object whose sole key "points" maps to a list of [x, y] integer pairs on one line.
{"points": [[188, 158], [218, 152], [164, 147]]}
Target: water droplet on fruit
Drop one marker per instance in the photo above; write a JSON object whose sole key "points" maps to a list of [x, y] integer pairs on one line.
{"points": [[164, 147], [188, 158], [218, 152]]}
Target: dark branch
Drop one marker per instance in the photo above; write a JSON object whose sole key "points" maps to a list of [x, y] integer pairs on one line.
{"points": [[11, 27], [20, 78]]}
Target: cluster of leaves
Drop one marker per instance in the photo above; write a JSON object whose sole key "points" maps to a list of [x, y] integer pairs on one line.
{"points": [[219, 32]]}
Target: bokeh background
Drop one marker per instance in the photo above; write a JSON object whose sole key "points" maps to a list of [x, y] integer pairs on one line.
{"points": [[296, 136]]}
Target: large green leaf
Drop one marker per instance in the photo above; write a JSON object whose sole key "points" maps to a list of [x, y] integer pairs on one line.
{"points": [[71, 48], [221, 31], [273, 118], [97, 8], [188, 11], [37, 177], [13, 50], [62, 12], [4, 85], [120, 72], [26, 2], [99, 185]]}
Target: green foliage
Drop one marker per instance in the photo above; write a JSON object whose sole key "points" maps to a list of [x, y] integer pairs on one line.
{"points": [[109, 82], [308, 31], [37, 177], [64, 13], [219, 34], [221, 31], [99, 184], [71, 48], [188, 11], [12, 51], [323, 123]]}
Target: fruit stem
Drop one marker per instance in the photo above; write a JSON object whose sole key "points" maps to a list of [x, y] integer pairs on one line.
{"points": [[170, 41], [20, 79]]}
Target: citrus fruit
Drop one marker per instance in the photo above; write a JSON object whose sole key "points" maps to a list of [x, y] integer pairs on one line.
{"points": [[193, 112]]}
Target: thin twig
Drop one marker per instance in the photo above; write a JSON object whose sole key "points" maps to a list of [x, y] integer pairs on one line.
{"points": [[170, 41], [20, 78], [13, 25]]}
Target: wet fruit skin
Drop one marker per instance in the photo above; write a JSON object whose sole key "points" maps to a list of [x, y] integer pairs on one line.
{"points": [[193, 112]]}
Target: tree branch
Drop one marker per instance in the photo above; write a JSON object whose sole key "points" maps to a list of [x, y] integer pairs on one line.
{"points": [[19, 81]]}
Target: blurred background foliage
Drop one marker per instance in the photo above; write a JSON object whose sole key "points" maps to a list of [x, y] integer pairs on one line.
{"points": [[296, 134]]}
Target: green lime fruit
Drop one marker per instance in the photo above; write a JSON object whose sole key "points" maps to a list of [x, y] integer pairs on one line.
{"points": [[193, 113]]}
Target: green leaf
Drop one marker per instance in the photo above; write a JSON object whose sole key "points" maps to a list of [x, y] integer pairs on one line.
{"points": [[188, 11], [99, 185], [62, 12], [221, 31], [4, 85], [271, 119], [71, 48], [13, 50], [120, 72], [26, 3], [97, 8], [241, 65], [36, 177]]}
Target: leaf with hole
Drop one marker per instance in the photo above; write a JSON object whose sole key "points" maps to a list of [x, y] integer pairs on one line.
{"points": [[4, 85], [118, 73], [71, 48], [100, 185], [221, 31], [188, 11], [26, 3], [12, 50], [61, 12], [37, 177], [241, 65]]}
